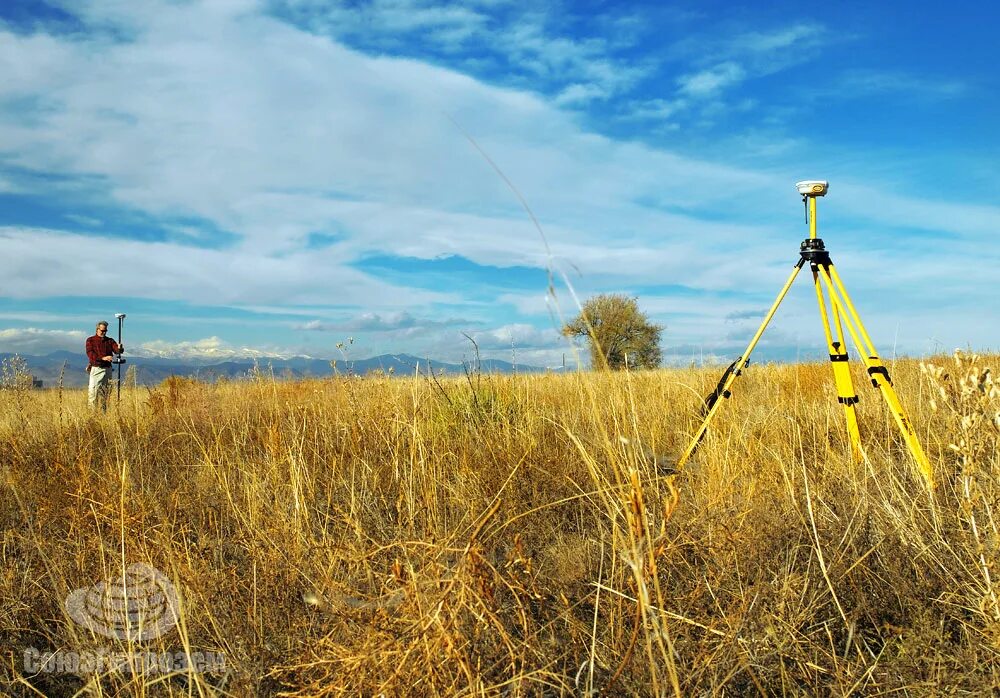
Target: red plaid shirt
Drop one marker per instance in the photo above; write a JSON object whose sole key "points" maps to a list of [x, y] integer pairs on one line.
{"points": [[98, 347]]}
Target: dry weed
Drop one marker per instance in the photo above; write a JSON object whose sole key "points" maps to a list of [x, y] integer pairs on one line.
{"points": [[506, 536]]}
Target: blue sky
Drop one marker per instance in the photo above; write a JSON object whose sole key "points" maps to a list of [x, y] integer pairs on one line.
{"points": [[245, 176]]}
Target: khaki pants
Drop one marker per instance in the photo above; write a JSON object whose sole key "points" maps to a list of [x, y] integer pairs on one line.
{"points": [[100, 387]]}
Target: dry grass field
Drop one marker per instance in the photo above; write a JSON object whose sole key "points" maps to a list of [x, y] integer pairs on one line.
{"points": [[513, 536]]}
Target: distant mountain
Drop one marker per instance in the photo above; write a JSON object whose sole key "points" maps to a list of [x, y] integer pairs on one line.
{"points": [[153, 370]]}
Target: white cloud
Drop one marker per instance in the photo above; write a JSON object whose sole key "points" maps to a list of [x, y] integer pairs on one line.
{"points": [[579, 93], [209, 348], [753, 314], [725, 62], [525, 343], [292, 132], [707, 83], [317, 326], [34, 341], [369, 322], [880, 82], [88, 221], [656, 108], [51, 263], [783, 39], [218, 111], [762, 51], [31, 316], [523, 41], [384, 22], [961, 220], [518, 336]]}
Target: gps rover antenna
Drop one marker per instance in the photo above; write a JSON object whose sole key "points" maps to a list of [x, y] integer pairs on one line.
{"points": [[121, 359]]}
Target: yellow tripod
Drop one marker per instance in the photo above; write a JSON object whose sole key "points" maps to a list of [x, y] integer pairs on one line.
{"points": [[841, 313]]}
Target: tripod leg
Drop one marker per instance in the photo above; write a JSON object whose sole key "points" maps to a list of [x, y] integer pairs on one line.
{"points": [[729, 377], [877, 371], [846, 395]]}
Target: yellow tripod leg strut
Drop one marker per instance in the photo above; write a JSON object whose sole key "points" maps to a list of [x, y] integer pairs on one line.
{"points": [[846, 394], [722, 391], [877, 371]]}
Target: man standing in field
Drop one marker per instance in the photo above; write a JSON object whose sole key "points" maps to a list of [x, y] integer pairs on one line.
{"points": [[100, 351]]}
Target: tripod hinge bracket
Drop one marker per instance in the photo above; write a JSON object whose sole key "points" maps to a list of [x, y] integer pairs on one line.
{"points": [[853, 400], [872, 370], [838, 357]]}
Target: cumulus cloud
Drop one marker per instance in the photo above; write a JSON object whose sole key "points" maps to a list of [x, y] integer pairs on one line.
{"points": [[338, 137], [518, 336], [223, 113], [317, 326], [34, 340], [209, 348], [386, 321]]}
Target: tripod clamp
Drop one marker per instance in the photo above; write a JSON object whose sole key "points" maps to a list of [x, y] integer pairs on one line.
{"points": [[720, 389]]}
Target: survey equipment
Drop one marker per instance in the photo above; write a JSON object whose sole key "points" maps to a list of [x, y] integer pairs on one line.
{"points": [[120, 359], [840, 313]]}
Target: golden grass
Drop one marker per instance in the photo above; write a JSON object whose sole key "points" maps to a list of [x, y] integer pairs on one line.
{"points": [[508, 536]]}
